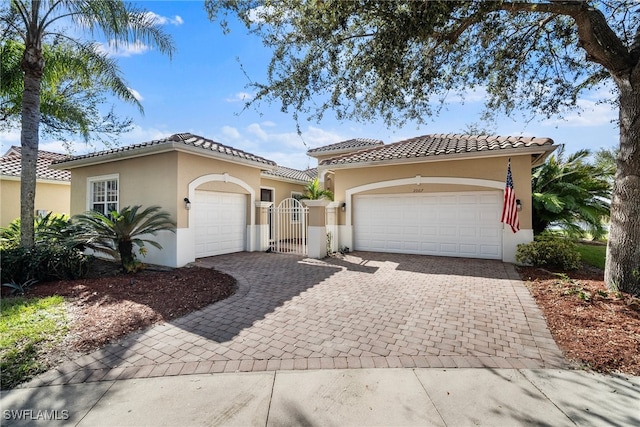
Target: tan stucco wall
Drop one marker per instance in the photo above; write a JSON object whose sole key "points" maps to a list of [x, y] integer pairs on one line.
{"points": [[282, 190], [191, 167], [49, 196], [145, 181], [494, 169], [163, 179]]}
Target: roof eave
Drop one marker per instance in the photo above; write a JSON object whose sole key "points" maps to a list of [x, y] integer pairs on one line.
{"points": [[543, 150], [284, 179], [342, 151], [157, 149]]}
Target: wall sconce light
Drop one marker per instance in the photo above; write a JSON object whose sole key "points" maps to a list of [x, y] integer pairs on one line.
{"points": [[343, 206], [518, 205], [187, 203]]}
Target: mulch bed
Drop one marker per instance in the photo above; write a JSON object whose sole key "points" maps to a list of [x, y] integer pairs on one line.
{"points": [[595, 327], [109, 305]]}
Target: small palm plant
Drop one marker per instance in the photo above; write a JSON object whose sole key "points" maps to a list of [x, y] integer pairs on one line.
{"points": [[116, 234], [312, 191]]}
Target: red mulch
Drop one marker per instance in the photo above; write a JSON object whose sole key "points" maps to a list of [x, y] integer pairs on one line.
{"points": [[595, 327], [110, 305]]}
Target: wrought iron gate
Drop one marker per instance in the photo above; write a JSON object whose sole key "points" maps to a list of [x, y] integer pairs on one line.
{"points": [[288, 227]]}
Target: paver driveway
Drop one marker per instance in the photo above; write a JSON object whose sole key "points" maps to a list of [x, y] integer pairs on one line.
{"points": [[362, 310]]}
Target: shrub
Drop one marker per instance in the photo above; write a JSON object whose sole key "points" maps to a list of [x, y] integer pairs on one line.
{"points": [[116, 233], [51, 229], [548, 250], [42, 263]]}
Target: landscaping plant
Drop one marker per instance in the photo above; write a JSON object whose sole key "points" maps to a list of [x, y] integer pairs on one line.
{"points": [[57, 254], [313, 191], [116, 233], [549, 250]]}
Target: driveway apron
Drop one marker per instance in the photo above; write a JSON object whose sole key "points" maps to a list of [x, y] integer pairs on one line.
{"points": [[361, 310]]}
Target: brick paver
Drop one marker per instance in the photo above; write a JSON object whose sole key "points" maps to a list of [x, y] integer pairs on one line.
{"points": [[359, 311]]}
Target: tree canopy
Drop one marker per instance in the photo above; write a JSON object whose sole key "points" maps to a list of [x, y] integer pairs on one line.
{"points": [[74, 87], [400, 60]]}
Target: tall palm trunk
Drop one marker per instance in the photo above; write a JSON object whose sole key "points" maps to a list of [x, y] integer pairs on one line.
{"points": [[33, 65], [622, 270]]}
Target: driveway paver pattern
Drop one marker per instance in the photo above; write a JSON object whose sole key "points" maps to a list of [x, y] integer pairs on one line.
{"points": [[362, 310]]}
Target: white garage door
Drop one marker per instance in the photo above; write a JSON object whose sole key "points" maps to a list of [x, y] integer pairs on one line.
{"points": [[219, 222], [461, 224]]}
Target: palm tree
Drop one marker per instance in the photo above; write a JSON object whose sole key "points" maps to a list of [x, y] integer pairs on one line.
{"points": [[312, 191], [73, 88], [116, 233], [36, 21], [571, 193]]}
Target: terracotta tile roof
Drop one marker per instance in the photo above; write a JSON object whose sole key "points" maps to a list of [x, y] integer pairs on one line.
{"points": [[10, 165], [293, 174], [437, 145], [312, 172], [188, 140], [351, 145]]}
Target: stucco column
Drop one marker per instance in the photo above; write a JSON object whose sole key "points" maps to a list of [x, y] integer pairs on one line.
{"points": [[332, 225], [262, 225], [317, 229]]}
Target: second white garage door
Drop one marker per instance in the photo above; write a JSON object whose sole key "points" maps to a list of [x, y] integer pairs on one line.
{"points": [[461, 224], [219, 222]]}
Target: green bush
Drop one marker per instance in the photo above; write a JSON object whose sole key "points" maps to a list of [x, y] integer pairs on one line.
{"points": [[42, 263], [51, 229], [548, 250]]}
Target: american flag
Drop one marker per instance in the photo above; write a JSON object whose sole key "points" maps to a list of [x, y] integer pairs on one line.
{"points": [[509, 209]]}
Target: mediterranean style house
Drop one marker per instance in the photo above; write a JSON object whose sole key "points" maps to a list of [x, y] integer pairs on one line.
{"points": [[432, 195]]}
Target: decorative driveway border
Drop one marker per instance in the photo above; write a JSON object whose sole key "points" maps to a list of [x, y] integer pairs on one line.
{"points": [[363, 310]]}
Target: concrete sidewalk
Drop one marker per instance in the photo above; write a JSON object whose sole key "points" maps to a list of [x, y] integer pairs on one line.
{"points": [[439, 397]]}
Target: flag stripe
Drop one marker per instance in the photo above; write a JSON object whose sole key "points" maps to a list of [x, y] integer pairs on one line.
{"points": [[509, 208]]}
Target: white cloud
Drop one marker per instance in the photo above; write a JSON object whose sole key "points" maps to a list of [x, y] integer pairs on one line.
{"points": [[285, 148], [589, 114], [115, 49], [240, 97], [8, 138], [135, 94], [164, 20], [230, 132], [256, 129], [477, 94], [139, 134]]}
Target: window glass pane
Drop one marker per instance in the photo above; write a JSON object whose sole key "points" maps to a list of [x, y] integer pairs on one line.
{"points": [[112, 207], [104, 196], [98, 208], [98, 192]]}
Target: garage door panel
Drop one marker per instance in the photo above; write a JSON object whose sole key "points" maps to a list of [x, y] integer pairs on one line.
{"points": [[452, 224], [447, 231], [449, 249], [219, 222]]}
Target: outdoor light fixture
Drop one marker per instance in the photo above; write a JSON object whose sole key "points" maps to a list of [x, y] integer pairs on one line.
{"points": [[187, 203], [518, 205], [343, 206]]}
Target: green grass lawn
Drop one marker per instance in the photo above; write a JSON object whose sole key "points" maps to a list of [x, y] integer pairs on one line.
{"points": [[592, 254], [26, 326]]}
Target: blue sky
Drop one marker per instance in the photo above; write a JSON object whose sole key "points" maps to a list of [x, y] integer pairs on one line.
{"points": [[201, 90]]}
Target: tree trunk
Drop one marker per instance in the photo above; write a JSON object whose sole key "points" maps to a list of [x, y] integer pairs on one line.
{"points": [[127, 259], [33, 65], [622, 270]]}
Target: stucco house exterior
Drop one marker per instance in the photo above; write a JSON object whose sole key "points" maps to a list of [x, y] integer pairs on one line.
{"points": [[216, 194], [53, 187], [435, 194]]}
